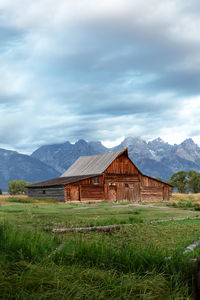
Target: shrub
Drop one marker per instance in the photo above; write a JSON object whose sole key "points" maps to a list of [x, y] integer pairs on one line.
{"points": [[172, 203], [17, 187]]}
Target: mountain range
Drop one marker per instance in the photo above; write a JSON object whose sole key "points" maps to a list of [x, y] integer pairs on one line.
{"points": [[155, 158]]}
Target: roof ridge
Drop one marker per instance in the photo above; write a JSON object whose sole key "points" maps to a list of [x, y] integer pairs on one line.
{"points": [[92, 164], [103, 153]]}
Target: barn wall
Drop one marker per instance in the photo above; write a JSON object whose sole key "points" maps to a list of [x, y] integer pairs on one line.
{"points": [[57, 193], [89, 181], [151, 194], [85, 190], [150, 182], [154, 190], [90, 192], [131, 178], [121, 182], [122, 187]]}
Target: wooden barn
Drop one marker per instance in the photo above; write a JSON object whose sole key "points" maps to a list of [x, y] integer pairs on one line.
{"points": [[111, 176]]}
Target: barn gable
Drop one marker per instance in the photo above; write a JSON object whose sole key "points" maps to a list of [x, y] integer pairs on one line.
{"points": [[122, 164]]}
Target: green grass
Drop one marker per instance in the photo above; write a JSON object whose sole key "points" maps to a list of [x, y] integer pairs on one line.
{"points": [[94, 269], [18, 199], [129, 263], [22, 200], [185, 201]]}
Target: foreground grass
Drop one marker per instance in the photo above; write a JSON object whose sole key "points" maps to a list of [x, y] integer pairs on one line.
{"points": [[88, 269], [126, 264]]}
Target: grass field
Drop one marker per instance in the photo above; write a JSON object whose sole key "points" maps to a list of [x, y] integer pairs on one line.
{"points": [[130, 263], [185, 201]]}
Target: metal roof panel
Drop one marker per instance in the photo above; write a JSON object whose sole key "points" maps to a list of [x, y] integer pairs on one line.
{"points": [[95, 164]]}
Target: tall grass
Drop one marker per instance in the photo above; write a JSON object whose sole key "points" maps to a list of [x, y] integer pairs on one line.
{"points": [[127, 258], [128, 264], [87, 269], [185, 201], [16, 244], [19, 199], [23, 199]]}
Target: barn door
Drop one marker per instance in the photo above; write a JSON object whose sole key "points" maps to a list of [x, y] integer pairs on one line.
{"points": [[165, 193], [126, 192], [67, 194], [132, 192], [112, 193], [136, 192], [74, 193]]}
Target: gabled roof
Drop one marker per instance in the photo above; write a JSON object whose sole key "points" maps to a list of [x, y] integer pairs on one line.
{"points": [[60, 181], [95, 164]]}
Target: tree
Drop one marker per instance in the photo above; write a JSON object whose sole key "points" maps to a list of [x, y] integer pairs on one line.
{"points": [[159, 178], [0, 191], [16, 187], [193, 182], [179, 180]]}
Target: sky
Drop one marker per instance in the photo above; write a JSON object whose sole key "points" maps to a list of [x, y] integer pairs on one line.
{"points": [[99, 71]]}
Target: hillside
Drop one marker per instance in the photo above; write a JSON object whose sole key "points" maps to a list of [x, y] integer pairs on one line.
{"points": [[15, 166]]}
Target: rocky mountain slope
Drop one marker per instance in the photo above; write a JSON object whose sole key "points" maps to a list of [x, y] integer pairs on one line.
{"points": [[155, 158], [15, 166], [62, 156]]}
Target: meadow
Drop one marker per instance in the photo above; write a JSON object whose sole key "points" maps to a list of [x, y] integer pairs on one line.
{"points": [[142, 261]]}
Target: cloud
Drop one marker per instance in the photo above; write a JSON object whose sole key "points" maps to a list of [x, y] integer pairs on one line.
{"points": [[97, 70]]}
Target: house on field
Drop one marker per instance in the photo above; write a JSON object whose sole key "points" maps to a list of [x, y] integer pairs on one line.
{"points": [[111, 176]]}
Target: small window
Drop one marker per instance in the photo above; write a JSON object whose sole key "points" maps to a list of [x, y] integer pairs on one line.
{"points": [[43, 192], [96, 180], [131, 186]]}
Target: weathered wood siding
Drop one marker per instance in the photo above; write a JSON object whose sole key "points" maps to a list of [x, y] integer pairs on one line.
{"points": [[85, 190], [150, 182], [151, 194], [122, 165], [57, 193], [122, 180], [131, 178], [95, 192], [89, 181], [74, 193], [122, 191], [154, 190]]}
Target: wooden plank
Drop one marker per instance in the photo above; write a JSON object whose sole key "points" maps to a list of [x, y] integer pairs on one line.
{"points": [[122, 165], [127, 178], [74, 193], [95, 192], [95, 228], [57, 193]]}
